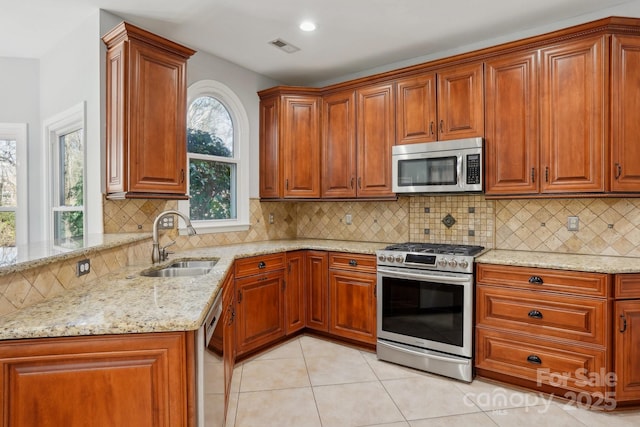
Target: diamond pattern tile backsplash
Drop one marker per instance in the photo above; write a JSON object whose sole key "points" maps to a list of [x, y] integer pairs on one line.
{"points": [[606, 226]]}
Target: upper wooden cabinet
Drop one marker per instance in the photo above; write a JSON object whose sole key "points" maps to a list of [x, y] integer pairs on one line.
{"points": [[625, 104], [146, 115], [564, 151], [358, 131], [447, 104], [290, 146]]}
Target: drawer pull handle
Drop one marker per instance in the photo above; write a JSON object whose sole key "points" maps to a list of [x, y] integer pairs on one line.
{"points": [[353, 263], [535, 314], [262, 264], [536, 280], [534, 359]]}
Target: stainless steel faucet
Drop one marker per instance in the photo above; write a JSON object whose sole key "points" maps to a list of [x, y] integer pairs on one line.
{"points": [[160, 254]]}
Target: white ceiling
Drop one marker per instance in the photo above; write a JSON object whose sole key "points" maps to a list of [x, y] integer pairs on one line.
{"points": [[351, 35]]}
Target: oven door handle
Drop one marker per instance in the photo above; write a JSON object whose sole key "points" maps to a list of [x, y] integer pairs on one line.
{"points": [[424, 276]]}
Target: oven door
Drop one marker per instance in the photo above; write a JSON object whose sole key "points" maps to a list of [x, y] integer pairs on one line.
{"points": [[426, 309]]}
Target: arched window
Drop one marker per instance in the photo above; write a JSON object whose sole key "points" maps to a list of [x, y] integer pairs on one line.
{"points": [[217, 146]]}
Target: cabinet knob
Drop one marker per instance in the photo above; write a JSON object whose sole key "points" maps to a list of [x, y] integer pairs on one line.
{"points": [[262, 264], [534, 359], [535, 314], [536, 280]]}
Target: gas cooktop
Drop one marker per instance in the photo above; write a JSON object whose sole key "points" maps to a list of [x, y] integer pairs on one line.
{"points": [[431, 256], [436, 248]]}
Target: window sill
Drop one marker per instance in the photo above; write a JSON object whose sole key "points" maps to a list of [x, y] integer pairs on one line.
{"points": [[212, 229]]}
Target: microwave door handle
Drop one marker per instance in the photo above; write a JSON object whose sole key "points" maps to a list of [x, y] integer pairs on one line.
{"points": [[459, 170]]}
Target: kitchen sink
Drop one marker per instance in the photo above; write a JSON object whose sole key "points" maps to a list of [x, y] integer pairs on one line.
{"points": [[184, 268]]}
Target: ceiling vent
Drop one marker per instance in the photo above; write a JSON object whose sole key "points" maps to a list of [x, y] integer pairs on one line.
{"points": [[283, 45]]}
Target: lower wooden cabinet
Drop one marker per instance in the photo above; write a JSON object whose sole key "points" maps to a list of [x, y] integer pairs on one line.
{"points": [[317, 290], [352, 297], [133, 380], [626, 330], [294, 294], [229, 334]]}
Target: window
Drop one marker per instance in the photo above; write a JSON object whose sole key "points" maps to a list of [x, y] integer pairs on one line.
{"points": [[13, 190], [217, 141], [65, 136]]}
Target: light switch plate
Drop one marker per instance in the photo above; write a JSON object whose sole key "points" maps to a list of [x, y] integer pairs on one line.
{"points": [[348, 219]]}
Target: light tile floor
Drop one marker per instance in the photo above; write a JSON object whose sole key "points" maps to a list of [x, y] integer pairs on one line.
{"points": [[316, 383]]}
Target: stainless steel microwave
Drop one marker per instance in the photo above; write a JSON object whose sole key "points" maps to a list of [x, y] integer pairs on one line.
{"points": [[454, 166]]}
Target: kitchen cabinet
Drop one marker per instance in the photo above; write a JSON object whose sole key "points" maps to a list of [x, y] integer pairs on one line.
{"points": [[118, 380], [544, 329], [229, 334], [442, 105], [562, 151], [259, 301], [357, 135], [146, 115], [625, 103], [289, 145], [317, 290], [512, 131], [352, 297], [294, 292], [627, 338]]}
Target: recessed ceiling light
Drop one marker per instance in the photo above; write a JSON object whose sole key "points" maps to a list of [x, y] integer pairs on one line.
{"points": [[307, 26]]}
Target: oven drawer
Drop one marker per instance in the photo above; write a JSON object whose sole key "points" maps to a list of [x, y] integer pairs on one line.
{"points": [[259, 264], [568, 366], [551, 315], [352, 262], [542, 279]]}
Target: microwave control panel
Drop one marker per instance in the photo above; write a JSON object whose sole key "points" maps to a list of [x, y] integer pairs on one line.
{"points": [[473, 169]]}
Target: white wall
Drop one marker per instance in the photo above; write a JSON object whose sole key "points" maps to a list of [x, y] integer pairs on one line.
{"points": [[69, 75], [20, 98]]}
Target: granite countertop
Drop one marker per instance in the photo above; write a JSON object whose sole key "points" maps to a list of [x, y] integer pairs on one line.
{"points": [[560, 261], [126, 302]]}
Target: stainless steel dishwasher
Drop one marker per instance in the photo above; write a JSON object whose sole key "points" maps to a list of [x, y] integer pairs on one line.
{"points": [[210, 368]]}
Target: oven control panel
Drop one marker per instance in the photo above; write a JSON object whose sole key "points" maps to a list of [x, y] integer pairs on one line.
{"points": [[440, 262]]}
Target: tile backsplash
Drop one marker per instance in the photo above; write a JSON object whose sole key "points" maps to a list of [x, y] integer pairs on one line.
{"points": [[606, 226]]}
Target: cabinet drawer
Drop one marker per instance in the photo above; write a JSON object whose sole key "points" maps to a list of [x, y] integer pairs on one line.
{"points": [[572, 282], [259, 264], [352, 262], [627, 286], [566, 366], [559, 316]]}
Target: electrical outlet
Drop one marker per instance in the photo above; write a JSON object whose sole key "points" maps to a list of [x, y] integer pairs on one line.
{"points": [[348, 219], [83, 267], [166, 222], [573, 223], [271, 218]]}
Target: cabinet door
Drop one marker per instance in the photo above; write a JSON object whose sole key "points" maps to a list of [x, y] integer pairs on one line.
{"points": [[625, 104], [294, 299], [317, 290], [270, 174], [157, 123], [339, 145], [416, 109], [572, 120], [300, 139], [375, 137], [627, 343], [229, 334], [352, 309], [460, 102], [511, 139], [134, 380], [259, 310]]}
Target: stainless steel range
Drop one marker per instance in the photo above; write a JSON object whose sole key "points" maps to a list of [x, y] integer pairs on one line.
{"points": [[425, 307]]}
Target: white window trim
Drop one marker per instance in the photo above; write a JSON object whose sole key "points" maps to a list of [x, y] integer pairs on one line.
{"points": [[18, 133], [62, 123], [241, 128]]}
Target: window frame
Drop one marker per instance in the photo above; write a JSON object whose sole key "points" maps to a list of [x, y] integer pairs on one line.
{"points": [[66, 122], [240, 121], [18, 132]]}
